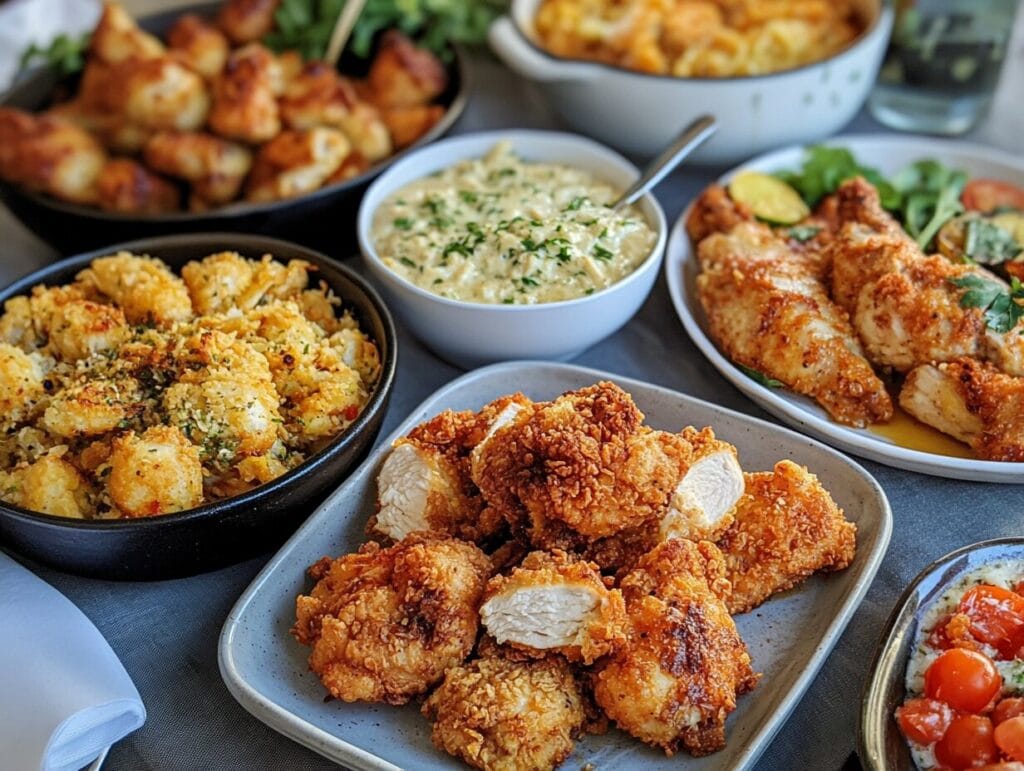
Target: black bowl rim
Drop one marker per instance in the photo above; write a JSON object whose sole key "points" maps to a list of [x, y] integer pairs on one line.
{"points": [[885, 639], [151, 246], [238, 210]]}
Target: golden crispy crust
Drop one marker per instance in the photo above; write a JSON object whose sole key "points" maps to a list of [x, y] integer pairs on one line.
{"points": [[676, 680], [602, 631], [787, 527], [504, 715], [384, 624], [715, 212]]}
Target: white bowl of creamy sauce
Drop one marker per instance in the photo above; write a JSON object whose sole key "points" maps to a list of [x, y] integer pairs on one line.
{"points": [[503, 245]]}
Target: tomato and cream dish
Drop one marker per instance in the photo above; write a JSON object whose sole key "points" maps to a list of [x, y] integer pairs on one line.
{"points": [[133, 392], [965, 678], [501, 230]]}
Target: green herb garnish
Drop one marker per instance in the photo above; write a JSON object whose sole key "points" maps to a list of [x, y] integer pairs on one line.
{"points": [[1000, 305], [760, 377], [826, 168], [576, 203], [988, 244], [65, 55], [402, 223], [803, 233], [407, 262], [601, 253]]}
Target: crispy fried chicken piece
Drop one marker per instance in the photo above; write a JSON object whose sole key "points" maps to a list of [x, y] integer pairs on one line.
{"points": [[144, 287], [787, 527], [715, 212], [972, 401], [580, 468], [296, 162], [247, 20], [50, 155], [676, 679], [555, 602], [768, 310], [407, 124], [126, 186], [157, 93], [425, 483], [118, 38], [245, 96], [199, 45], [502, 715], [385, 624], [320, 96], [403, 74], [215, 167], [904, 304]]}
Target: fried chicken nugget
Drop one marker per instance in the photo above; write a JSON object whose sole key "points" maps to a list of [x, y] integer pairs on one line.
{"points": [[787, 527], [385, 624], [675, 681], [555, 602], [503, 715]]}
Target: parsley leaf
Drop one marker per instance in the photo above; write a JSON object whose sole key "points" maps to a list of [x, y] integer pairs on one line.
{"points": [[402, 223], [760, 377], [576, 203], [826, 168], [601, 253], [1001, 308], [65, 54]]}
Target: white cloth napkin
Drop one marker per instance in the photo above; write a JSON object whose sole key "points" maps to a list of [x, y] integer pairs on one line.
{"points": [[64, 695], [23, 22]]}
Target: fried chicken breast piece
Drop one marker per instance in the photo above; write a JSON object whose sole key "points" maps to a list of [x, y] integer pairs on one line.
{"points": [[768, 310], [787, 527], [199, 45], [555, 602], [425, 483], [126, 186], [247, 20], [403, 74], [117, 37], [675, 681], [971, 401], [385, 624], [503, 715], [245, 96], [296, 162], [215, 167], [580, 468]]}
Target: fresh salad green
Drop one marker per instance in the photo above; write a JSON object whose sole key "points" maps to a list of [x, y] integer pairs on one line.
{"points": [[65, 54], [1000, 304]]}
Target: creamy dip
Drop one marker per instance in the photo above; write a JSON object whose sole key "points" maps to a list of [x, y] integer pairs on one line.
{"points": [[1002, 573], [500, 230]]}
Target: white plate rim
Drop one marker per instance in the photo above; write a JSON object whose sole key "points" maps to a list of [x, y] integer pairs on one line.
{"points": [[785, 406], [309, 735]]}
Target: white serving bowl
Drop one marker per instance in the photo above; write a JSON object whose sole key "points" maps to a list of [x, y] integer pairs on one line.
{"points": [[641, 113], [471, 334]]}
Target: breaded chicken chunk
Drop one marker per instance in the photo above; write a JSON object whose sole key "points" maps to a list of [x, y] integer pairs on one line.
{"points": [[426, 481], [215, 167], [245, 96], [144, 287], [554, 602], [50, 485], [224, 280], [198, 44], [971, 401], [93, 407], [502, 715], [580, 468], [247, 20], [156, 472], [126, 186], [403, 74], [296, 162], [118, 38], [385, 624], [676, 679], [787, 527], [21, 384]]}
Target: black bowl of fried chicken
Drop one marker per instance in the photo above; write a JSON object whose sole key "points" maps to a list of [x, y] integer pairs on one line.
{"points": [[109, 358], [186, 121]]}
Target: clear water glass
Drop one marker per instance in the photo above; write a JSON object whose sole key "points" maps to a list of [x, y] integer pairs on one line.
{"points": [[943, 64]]}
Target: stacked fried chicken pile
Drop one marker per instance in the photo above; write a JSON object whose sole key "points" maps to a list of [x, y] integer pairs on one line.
{"points": [[821, 314], [216, 115], [617, 556]]}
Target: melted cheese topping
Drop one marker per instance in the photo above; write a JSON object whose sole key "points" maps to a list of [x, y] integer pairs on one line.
{"points": [[500, 230]]}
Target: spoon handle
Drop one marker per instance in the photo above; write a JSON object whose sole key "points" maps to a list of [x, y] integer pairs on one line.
{"points": [[692, 137]]}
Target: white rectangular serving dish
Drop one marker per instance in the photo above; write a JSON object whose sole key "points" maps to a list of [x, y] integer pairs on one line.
{"points": [[789, 637]]}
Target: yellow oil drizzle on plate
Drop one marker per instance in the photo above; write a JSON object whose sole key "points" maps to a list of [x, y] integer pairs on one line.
{"points": [[911, 433]]}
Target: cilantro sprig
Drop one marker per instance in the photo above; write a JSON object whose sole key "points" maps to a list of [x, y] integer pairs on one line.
{"points": [[760, 377], [65, 54], [1000, 305]]}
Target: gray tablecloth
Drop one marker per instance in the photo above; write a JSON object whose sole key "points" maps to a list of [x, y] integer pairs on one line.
{"points": [[166, 633]]}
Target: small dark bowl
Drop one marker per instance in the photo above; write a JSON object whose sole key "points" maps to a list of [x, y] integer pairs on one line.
{"points": [[318, 219], [881, 745], [228, 530]]}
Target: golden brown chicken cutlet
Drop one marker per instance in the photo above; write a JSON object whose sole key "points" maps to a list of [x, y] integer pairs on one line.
{"points": [[503, 715], [675, 681], [787, 527], [385, 624], [554, 602]]}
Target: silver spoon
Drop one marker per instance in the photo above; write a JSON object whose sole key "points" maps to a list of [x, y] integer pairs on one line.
{"points": [[693, 136]]}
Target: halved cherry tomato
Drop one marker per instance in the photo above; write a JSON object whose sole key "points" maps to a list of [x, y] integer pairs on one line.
{"points": [[965, 680], [968, 742], [1007, 708], [924, 720], [997, 617], [1009, 737], [986, 195]]}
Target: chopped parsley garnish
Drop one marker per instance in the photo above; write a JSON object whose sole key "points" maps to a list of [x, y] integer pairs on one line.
{"points": [[468, 196], [803, 233], [402, 223], [576, 203], [407, 262], [760, 377], [530, 245], [601, 253], [988, 244], [1000, 305], [528, 281], [508, 301], [589, 291]]}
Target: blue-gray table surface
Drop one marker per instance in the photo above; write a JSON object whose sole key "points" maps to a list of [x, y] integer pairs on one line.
{"points": [[166, 632]]}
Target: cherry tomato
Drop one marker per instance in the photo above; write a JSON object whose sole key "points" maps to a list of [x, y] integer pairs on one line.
{"points": [[997, 617], [985, 195], [1009, 737], [968, 742], [1007, 708], [924, 720], [965, 680], [1009, 765]]}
